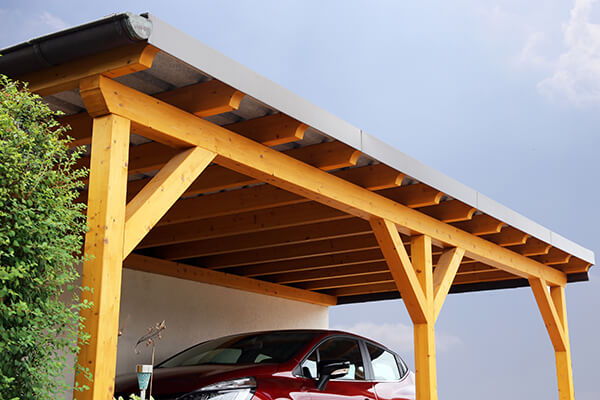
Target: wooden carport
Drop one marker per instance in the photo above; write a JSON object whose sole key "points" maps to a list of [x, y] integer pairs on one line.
{"points": [[207, 182]]}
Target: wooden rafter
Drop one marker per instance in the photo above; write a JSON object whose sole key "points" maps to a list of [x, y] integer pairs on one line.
{"points": [[282, 253], [168, 124], [112, 63], [533, 247], [450, 211], [144, 211], [183, 271], [205, 98], [310, 263], [414, 196], [480, 225], [508, 236], [254, 221], [275, 237]]}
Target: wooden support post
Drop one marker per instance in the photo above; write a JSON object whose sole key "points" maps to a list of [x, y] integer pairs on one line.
{"points": [[423, 292], [425, 368], [553, 308], [104, 247]]}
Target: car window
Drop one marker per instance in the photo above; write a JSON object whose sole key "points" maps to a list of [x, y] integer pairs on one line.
{"points": [[309, 366], [271, 347], [385, 367], [344, 349]]}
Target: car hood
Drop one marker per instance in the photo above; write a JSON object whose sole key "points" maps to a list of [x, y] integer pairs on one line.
{"points": [[181, 380]]}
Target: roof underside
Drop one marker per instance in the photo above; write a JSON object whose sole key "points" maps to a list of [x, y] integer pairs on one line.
{"points": [[233, 223]]}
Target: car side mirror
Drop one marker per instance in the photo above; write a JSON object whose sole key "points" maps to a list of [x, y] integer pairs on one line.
{"points": [[331, 369]]}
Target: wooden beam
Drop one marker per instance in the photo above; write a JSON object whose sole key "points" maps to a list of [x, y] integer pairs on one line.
{"points": [[331, 272], [481, 224], [275, 237], [103, 248], [254, 221], [270, 130], [443, 276], [533, 247], [265, 196], [303, 265], [112, 63], [414, 196], [574, 266], [372, 177], [346, 281], [564, 369], [508, 236], [555, 256], [294, 251], [205, 98], [549, 314], [461, 279], [153, 156], [144, 211], [203, 275], [169, 124], [450, 211], [401, 268]]}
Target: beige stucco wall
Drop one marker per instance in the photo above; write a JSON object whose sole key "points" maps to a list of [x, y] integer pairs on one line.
{"points": [[195, 312]]}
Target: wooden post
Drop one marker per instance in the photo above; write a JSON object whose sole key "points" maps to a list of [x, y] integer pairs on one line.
{"points": [[425, 368], [564, 369], [423, 291], [104, 247], [553, 308]]}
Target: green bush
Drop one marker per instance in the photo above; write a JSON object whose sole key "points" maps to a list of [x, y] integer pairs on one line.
{"points": [[41, 237]]}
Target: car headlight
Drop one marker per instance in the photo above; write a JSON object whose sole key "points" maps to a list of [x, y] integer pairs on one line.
{"points": [[235, 389]]}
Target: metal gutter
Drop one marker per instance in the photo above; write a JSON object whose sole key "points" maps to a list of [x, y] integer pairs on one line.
{"points": [[80, 41]]}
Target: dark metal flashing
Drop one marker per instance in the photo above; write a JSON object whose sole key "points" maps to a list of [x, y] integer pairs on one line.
{"points": [[80, 41], [470, 287]]}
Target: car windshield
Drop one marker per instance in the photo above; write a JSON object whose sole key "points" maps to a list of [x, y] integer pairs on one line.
{"points": [[271, 347]]}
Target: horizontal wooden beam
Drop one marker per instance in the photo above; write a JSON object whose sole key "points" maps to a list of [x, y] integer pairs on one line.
{"points": [[383, 287], [205, 98], [203, 275], [295, 251], [508, 236], [303, 265], [346, 281], [274, 237], [271, 130], [554, 257], [331, 272], [112, 63], [415, 195], [266, 196], [171, 125], [254, 221], [450, 211], [481, 224], [533, 247]]}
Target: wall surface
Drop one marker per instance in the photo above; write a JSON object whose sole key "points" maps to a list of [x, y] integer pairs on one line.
{"points": [[194, 312]]}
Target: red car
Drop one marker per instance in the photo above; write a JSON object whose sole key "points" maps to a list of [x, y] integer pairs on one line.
{"points": [[279, 365]]}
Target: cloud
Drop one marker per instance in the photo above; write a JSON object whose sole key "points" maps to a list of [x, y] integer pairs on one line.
{"points": [[397, 336], [52, 21], [531, 55], [576, 75]]}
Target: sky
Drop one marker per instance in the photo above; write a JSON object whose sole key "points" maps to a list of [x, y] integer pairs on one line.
{"points": [[503, 96]]}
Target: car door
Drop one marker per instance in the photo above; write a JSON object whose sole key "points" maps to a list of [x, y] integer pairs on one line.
{"points": [[391, 378], [354, 385]]}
